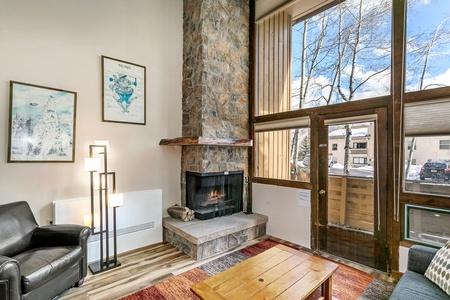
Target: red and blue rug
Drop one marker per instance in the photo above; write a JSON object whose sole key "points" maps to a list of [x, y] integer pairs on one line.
{"points": [[348, 283]]}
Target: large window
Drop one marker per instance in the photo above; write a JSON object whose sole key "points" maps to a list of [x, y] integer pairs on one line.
{"points": [[284, 154], [342, 54], [428, 45], [283, 149], [427, 151], [321, 63]]}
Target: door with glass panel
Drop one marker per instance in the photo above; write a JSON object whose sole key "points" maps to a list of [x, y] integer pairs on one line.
{"points": [[352, 187]]}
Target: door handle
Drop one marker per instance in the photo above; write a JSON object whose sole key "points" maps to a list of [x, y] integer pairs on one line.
{"points": [[322, 192]]}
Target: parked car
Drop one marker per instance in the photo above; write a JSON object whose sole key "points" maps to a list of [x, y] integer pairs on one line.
{"points": [[435, 169]]}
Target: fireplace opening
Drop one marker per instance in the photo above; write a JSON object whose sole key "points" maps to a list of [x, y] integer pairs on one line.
{"points": [[213, 195]]}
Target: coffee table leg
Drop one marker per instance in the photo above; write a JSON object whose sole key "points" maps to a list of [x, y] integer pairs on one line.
{"points": [[326, 289]]}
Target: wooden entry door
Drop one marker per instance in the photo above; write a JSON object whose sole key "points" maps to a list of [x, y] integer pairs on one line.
{"points": [[352, 187]]}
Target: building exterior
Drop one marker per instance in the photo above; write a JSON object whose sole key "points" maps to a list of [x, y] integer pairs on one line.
{"points": [[361, 144]]}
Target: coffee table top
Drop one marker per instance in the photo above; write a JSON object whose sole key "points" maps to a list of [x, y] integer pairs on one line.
{"points": [[281, 272]]}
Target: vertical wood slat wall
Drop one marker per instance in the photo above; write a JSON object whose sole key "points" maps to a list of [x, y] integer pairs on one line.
{"points": [[274, 93]]}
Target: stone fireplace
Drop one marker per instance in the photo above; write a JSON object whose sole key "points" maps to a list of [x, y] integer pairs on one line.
{"points": [[215, 134], [215, 104], [213, 195]]}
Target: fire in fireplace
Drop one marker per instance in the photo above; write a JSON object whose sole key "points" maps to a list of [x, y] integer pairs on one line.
{"points": [[213, 195]]}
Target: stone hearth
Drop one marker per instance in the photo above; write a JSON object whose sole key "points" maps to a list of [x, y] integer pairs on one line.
{"points": [[202, 239]]}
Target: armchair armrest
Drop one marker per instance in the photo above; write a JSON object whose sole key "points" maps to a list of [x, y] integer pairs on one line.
{"points": [[64, 235], [61, 235], [420, 257], [9, 279]]}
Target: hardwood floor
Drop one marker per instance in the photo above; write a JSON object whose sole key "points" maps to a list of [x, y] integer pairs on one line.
{"points": [[149, 265], [140, 268]]}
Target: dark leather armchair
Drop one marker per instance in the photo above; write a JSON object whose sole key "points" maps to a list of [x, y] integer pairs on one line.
{"points": [[39, 263]]}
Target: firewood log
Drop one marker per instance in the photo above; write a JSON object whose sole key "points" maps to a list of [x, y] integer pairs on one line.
{"points": [[180, 212]]}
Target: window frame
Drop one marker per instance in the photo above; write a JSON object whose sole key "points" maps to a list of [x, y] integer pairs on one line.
{"points": [[357, 160], [447, 145], [406, 223], [357, 144]]}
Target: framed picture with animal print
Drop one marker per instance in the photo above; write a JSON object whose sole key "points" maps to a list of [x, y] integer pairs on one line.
{"points": [[123, 91]]}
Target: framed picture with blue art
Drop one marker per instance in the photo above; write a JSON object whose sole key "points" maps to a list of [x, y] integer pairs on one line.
{"points": [[41, 124], [123, 91]]}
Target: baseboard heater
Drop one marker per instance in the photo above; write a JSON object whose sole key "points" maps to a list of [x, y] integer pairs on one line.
{"points": [[126, 230], [139, 220]]}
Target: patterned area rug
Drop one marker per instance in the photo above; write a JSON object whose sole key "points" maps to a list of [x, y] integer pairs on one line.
{"points": [[348, 283]]}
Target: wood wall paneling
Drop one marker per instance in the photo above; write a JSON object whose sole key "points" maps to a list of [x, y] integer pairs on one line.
{"points": [[273, 93]]}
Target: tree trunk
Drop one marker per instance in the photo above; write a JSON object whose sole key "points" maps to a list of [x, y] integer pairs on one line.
{"points": [[410, 156], [348, 137]]}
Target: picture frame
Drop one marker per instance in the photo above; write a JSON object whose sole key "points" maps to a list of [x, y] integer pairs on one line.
{"points": [[42, 122], [123, 92]]}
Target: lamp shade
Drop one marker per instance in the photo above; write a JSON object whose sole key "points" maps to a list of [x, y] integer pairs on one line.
{"points": [[92, 164], [115, 200]]}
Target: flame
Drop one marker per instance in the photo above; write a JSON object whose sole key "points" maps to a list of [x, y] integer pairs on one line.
{"points": [[215, 195]]}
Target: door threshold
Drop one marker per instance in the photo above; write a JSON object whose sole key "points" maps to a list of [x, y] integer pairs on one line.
{"points": [[369, 270]]}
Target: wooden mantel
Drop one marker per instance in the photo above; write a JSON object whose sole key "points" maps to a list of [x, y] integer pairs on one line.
{"points": [[206, 141]]}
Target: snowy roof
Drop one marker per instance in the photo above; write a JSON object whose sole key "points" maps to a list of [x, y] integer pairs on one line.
{"points": [[356, 132]]}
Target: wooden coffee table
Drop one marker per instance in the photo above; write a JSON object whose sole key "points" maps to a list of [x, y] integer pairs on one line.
{"points": [[280, 272]]}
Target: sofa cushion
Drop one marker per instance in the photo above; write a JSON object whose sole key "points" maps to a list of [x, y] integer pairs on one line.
{"points": [[40, 265], [439, 269], [413, 285]]}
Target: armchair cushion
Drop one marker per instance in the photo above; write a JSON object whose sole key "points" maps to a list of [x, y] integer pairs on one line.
{"points": [[41, 265]]}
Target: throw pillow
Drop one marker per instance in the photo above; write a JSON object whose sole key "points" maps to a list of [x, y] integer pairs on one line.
{"points": [[439, 269]]}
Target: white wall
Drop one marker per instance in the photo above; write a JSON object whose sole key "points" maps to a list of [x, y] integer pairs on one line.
{"points": [[289, 215], [59, 44], [403, 259]]}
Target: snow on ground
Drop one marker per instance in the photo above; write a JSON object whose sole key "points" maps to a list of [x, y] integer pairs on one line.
{"points": [[367, 168], [414, 172]]}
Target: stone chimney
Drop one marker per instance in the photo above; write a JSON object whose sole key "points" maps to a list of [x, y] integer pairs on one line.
{"points": [[215, 87]]}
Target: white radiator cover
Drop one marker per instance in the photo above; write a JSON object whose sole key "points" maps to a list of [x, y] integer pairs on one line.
{"points": [[139, 220]]}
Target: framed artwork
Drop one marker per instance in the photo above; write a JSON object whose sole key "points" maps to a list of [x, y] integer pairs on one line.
{"points": [[41, 124], [123, 91]]}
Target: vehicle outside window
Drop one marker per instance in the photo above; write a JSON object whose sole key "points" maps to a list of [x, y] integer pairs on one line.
{"points": [[435, 170]]}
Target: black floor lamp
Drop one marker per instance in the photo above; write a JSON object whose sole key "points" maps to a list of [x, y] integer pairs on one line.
{"points": [[102, 204]]}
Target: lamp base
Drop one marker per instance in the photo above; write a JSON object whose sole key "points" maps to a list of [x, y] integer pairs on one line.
{"points": [[98, 268]]}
